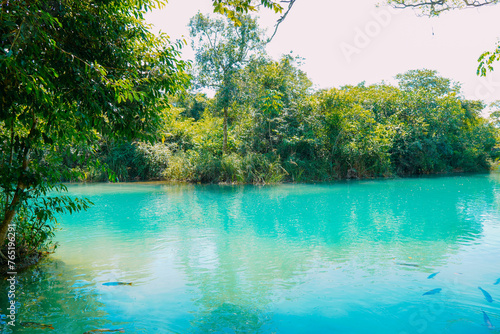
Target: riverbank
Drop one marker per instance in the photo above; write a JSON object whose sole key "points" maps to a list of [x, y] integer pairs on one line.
{"points": [[21, 262], [165, 164]]}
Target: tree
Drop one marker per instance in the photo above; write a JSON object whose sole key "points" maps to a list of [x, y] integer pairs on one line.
{"points": [[273, 91], [426, 81], [440, 129], [495, 113], [71, 72], [221, 49]]}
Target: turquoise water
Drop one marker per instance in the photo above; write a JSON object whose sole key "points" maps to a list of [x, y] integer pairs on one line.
{"points": [[349, 257]]}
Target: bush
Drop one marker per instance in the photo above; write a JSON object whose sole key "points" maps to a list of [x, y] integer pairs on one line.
{"points": [[151, 161], [261, 169], [127, 161], [35, 225], [206, 167]]}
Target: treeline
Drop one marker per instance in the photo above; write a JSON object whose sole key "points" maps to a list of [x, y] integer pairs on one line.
{"points": [[280, 130], [266, 124]]}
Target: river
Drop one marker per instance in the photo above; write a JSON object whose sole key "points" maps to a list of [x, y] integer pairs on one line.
{"points": [[348, 257]]}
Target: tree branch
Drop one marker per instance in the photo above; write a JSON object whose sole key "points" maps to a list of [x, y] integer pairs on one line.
{"points": [[435, 7], [281, 19]]}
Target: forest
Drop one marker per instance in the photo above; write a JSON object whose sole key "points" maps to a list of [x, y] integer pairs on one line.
{"points": [[278, 130], [262, 122]]}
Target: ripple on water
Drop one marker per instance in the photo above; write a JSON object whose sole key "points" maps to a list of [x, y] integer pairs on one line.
{"points": [[343, 258]]}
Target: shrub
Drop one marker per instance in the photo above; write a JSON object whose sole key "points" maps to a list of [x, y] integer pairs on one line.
{"points": [[151, 161]]}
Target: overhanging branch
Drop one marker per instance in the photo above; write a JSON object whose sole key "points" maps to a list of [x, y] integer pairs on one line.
{"points": [[282, 18], [435, 7]]}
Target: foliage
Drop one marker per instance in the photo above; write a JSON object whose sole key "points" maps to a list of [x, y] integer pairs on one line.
{"points": [[271, 90], [193, 105], [494, 120], [355, 143], [487, 59], [426, 81], [35, 224], [421, 126], [124, 161], [221, 50], [495, 113], [205, 167], [73, 72], [282, 131], [233, 9]]}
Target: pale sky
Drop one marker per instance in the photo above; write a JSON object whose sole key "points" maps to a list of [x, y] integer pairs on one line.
{"points": [[349, 41]]}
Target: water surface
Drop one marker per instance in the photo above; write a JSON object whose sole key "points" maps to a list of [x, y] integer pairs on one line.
{"points": [[350, 257]]}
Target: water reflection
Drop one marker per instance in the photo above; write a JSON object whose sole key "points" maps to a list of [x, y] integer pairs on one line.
{"points": [[250, 259]]}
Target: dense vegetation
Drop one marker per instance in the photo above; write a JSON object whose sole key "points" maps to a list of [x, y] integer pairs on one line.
{"points": [[89, 94], [71, 73], [280, 130], [265, 123]]}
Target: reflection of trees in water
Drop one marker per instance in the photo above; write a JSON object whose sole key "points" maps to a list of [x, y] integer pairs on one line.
{"points": [[235, 272], [243, 248], [53, 293], [229, 318], [495, 183]]}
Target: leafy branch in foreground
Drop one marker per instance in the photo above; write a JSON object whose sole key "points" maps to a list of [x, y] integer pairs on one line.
{"points": [[233, 9], [486, 61], [35, 223], [73, 72]]}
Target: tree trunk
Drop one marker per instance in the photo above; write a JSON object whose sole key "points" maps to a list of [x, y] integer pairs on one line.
{"points": [[224, 141], [11, 208], [270, 136], [4, 228]]}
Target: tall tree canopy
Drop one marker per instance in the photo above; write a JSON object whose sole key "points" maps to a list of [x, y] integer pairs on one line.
{"points": [[427, 81], [221, 49], [71, 71]]}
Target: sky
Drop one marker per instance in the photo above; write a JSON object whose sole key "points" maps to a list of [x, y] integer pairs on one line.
{"points": [[350, 41]]}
